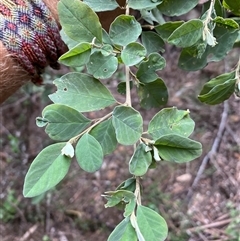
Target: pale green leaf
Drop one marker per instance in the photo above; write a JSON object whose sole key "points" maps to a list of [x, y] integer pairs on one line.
{"points": [[151, 224], [176, 148], [123, 232], [101, 5], [105, 135], [68, 150], [46, 170], [124, 30], [89, 153], [102, 66], [140, 161], [141, 4], [128, 125], [81, 92], [63, 122], [133, 53], [171, 121], [79, 21]]}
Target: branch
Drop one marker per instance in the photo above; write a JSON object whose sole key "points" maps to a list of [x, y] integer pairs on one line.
{"points": [[213, 150]]}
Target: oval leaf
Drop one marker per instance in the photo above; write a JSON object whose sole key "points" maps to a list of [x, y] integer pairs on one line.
{"points": [[152, 42], [124, 30], [77, 56], [133, 53], [166, 29], [141, 4], [89, 153], [151, 224], [187, 34], [177, 148], [81, 92], [105, 135], [170, 8], [63, 122], [153, 95], [79, 21], [101, 5], [218, 89], [128, 125], [140, 161], [46, 170], [123, 232], [102, 66], [147, 69], [171, 121]]}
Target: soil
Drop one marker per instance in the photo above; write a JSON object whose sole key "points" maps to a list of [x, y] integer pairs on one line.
{"points": [[74, 210]]}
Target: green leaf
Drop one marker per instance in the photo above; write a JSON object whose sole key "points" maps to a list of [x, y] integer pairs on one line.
{"points": [[151, 224], [152, 42], [218, 89], [233, 6], [166, 29], [152, 15], [147, 69], [123, 232], [153, 95], [128, 125], [46, 170], [124, 30], [129, 185], [67, 40], [79, 21], [226, 37], [115, 197], [140, 161], [101, 5], [81, 92], [141, 4], [133, 53], [89, 153], [171, 121], [187, 34], [102, 66], [189, 59], [63, 122], [105, 135], [227, 22], [77, 56], [171, 8], [121, 88], [176, 148]]}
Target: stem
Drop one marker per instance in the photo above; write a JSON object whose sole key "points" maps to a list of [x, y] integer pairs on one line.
{"points": [[128, 89], [127, 72], [76, 138], [138, 191], [237, 73]]}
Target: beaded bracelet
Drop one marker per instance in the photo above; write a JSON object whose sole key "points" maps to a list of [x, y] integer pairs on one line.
{"points": [[31, 35]]}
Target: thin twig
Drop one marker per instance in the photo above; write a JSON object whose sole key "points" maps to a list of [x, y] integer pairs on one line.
{"points": [[213, 150], [210, 225], [29, 232]]}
